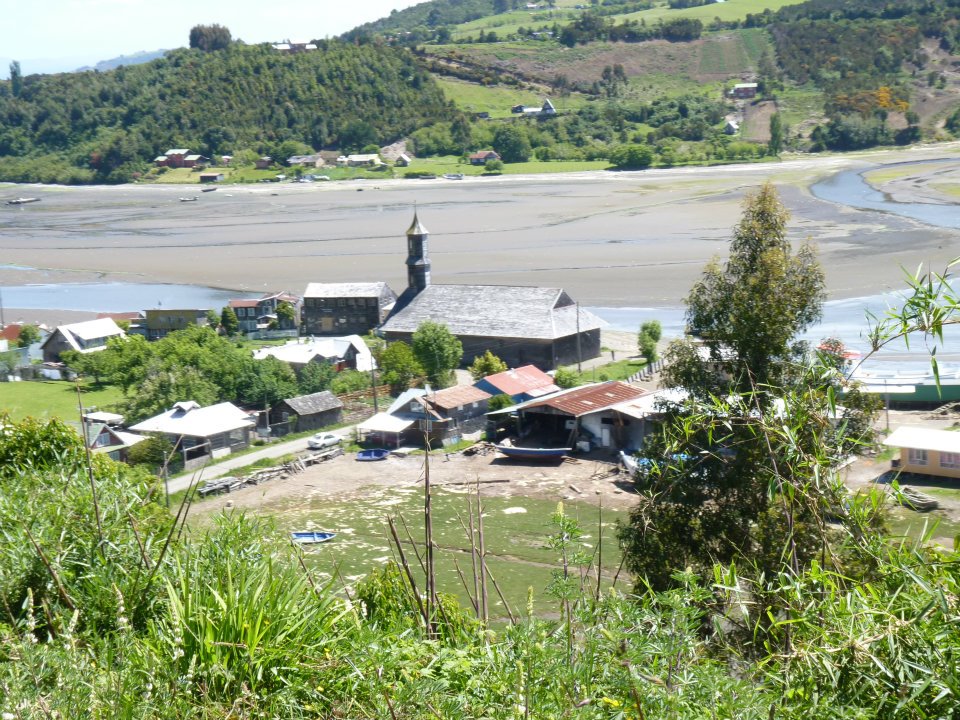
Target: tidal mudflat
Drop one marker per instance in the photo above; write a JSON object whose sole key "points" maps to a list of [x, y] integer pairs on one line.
{"points": [[611, 239]]}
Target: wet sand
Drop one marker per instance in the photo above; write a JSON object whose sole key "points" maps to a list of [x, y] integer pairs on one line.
{"points": [[633, 239]]}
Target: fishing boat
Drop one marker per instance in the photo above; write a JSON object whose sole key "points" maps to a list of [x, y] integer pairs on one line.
{"points": [[22, 201], [372, 455], [916, 500], [310, 537], [453, 176], [189, 199], [207, 189], [532, 453]]}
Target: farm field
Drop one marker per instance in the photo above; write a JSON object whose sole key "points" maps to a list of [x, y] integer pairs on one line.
{"points": [[726, 11], [498, 99], [51, 398]]}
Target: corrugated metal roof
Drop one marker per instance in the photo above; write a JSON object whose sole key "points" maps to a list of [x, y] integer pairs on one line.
{"points": [[188, 418], [588, 399], [528, 379], [243, 303]]}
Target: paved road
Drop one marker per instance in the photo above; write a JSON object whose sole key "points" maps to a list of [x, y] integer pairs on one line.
{"points": [[274, 450]]}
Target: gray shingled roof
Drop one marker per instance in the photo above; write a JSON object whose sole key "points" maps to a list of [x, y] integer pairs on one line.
{"points": [[315, 403], [494, 311]]}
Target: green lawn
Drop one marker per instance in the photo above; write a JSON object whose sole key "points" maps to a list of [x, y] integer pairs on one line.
{"points": [[515, 531], [50, 399], [729, 10], [498, 99], [619, 370]]}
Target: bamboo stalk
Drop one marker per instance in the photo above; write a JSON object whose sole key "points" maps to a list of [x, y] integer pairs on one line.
{"points": [[506, 605], [413, 544], [61, 590], [428, 537], [473, 555], [406, 568], [466, 589], [484, 604], [599, 545]]}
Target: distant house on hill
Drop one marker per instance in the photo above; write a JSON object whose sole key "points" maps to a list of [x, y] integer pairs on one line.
{"points": [[521, 325], [263, 163], [362, 160], [481, 157], [294, 46], [306, 161], [211, 177], [193, 160], [84, 337], [744, 91], [172, 158], [731, 128]]}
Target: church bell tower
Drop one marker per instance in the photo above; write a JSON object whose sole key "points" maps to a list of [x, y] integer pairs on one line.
{"points": [[418, 258]]}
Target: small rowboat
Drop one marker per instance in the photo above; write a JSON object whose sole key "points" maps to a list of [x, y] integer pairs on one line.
{"points": [[916, 500], [372, 455], [308, 537]]}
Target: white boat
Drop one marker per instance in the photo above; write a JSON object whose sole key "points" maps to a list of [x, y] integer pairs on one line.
{"points": [[189, 199], [22, 201]]}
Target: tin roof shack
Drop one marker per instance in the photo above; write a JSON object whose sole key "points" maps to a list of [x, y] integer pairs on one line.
{"points": [[602, 415], [926, 451], [201, 434], [306, 412], [521, 384]]}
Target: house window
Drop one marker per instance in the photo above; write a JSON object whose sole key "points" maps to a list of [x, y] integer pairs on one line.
{"points": [[917, 456], [950, 460]]}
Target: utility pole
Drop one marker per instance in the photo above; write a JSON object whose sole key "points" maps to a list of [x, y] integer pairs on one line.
{"points": [[579, 358]]}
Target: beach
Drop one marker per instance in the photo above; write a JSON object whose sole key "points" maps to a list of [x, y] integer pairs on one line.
{"points": [[611, 239]]}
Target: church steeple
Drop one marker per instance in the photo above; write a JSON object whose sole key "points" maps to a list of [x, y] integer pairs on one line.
{"points": [[418, 258]]}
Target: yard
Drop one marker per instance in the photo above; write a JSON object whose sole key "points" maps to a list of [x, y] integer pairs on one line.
{"points": [[51, 398], [354, 499]]}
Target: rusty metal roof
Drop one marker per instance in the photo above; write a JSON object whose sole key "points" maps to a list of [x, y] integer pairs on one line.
{"points": [[456, 396], [588, 399]]}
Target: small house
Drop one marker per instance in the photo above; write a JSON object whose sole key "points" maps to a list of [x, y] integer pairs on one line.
{"points": [[84, 337], [481, 157], [263, 163], [926, 451], [201, 434], [364, 160], [226, 160], [349, 352], [247, 314], [456, 410], [159, 323], [732, 127], [211, 177], [744, 91], [104, 437], [306, 412], [403, 160], [305, 161], [193, 160]]}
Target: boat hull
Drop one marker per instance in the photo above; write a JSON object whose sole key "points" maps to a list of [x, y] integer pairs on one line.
{"points": [[372, 455], [527, 453], [311, 538]]}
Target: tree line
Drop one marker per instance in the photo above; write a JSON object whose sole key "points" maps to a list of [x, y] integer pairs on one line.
{"points": [[108, 127]]}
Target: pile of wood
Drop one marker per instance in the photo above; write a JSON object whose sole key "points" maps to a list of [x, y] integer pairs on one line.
{"points": [[229, 484]]}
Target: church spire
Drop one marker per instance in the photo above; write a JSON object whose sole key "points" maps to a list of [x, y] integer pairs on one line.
{"points": [[418, 258]]}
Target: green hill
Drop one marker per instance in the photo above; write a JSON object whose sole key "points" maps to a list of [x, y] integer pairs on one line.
{"points": [[107, 127]]}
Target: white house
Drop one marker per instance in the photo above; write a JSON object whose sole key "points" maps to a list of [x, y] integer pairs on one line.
{"points": [[84, 337]]}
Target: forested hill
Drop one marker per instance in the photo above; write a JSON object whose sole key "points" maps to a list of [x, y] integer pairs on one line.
{"points": [[434, 13], [106, 127]]}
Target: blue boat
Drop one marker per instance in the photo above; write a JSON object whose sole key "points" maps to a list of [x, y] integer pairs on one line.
{"points": [[530, 453], [372, 455], [309, 537]]}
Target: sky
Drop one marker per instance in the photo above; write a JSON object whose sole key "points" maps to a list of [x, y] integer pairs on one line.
{"points": [[62, 35]]}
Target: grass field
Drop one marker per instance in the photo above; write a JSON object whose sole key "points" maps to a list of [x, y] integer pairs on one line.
{"points": [[515, 531], [50, 399], [729, 10], [498, 99]]}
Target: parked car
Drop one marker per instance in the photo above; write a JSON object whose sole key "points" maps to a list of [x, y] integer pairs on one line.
{"points": [[323, 440]]}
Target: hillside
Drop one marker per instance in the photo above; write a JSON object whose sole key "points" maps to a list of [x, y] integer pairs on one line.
{"points": [[841, 75], [107, 127]]}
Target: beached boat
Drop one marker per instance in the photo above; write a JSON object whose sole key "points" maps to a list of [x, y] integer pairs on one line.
{"points": [[309, 537], [631, 463], [453, 176], [531, 453], [22, 201], [372, 455], [207, 189], [916, 500], [189, 199]]}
